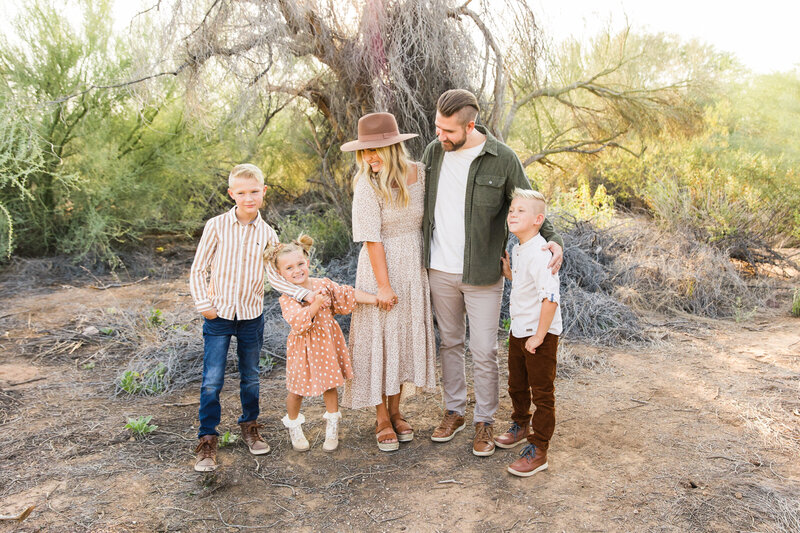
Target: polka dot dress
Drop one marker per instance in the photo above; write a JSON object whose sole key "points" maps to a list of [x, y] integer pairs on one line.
{"points": [[317, 358]]}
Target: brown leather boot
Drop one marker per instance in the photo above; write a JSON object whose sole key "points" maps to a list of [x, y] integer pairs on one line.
{"points": [[451, 424], [483, 443], [250, 436], [206, 454], [531, 460], [515, 436]]}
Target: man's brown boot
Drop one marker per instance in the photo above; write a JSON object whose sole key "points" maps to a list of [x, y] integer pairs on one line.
{"points": [[253, 440], [451, 424], [515, 436], [206, 454], [531, 460], [483, 444]]}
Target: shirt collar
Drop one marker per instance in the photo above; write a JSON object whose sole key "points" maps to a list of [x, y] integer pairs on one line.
{"points": [[233, 220], [535, 240], [491, 140]]}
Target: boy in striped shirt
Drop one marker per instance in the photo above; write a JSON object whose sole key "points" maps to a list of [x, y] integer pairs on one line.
{"points": [[231, 301]]}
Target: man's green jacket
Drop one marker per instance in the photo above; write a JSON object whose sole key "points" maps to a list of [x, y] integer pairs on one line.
{"points": [[492, 178]]}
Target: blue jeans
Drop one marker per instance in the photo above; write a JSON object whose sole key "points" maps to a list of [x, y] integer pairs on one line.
{"points": [[216, 340]]}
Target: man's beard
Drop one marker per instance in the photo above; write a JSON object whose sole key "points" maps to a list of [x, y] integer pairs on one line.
{"points": [[451, 146]]}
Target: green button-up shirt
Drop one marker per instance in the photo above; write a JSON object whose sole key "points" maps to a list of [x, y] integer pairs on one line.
{"points": [[492, 178]]}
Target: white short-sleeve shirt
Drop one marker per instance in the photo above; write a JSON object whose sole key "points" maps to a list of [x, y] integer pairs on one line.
{"points": [[532, 282]]}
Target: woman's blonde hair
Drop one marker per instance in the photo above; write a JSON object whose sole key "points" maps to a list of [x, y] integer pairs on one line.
{"points": [[302, 243], [392, 175]]}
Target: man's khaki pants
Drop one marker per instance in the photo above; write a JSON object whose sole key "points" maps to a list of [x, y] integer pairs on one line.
{"points": [[453, 302]]}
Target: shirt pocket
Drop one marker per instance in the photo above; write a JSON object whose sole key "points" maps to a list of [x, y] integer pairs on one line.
{"points": [[489, 191]]}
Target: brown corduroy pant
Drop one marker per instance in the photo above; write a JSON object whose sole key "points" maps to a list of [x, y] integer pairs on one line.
{"points": [[531, 378]]}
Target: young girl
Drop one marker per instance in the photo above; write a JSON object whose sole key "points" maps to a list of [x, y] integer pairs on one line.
{"points": [[317, 359]]}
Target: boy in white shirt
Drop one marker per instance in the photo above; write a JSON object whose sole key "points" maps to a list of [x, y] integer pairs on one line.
{"points": [[533, 339]]}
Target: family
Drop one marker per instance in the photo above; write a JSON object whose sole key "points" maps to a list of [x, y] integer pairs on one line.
{"points": [[434, 237]]}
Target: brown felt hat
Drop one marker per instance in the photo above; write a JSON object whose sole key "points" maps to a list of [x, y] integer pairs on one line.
{"points": [[376, 130]]}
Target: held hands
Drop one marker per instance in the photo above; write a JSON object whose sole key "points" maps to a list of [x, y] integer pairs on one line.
{"points": [[210, 314], [309, 297], [533, 342], [506, 265], [320, 298], [386, 298], [558, 256]]}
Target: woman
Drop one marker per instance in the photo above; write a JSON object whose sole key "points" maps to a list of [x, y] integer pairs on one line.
{"points": [[391, 345]]}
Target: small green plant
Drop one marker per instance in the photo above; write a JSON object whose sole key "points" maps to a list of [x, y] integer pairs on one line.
{"points": [[227, 438], [155, 319], [141, 426], [153, 381], [107, 331], [88, 366], [796, 303], [265, 362], [740, 314]]}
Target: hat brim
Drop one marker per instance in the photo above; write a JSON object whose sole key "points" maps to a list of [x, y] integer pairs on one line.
{"points": [[352, 146]]}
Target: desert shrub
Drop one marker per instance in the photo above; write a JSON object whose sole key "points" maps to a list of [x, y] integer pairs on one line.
{"points": [[579, 203], [330, 233], [656, 270], [796, 302], [740, 200]]}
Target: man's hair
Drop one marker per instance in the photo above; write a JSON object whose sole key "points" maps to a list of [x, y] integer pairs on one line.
{"points": [[458, 101], [246, 171], [530, 194]]}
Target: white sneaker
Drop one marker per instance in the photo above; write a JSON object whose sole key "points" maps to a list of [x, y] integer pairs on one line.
{"points": [[331, 431], [299, 441]]}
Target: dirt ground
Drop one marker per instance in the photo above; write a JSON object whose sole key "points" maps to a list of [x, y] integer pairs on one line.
{"points": [[698, 432]]}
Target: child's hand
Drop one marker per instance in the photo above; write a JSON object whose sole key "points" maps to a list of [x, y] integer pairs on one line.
{"points": [[533, 342], [211, 314], [309, 297], [506, 261], [386, 298], [320, 298]]}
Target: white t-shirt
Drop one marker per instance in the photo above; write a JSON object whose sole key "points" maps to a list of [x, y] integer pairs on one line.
{"points": [[532, 282], [447, 243]]}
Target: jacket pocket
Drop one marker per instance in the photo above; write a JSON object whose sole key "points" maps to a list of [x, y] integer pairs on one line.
{"points": [[489, 191]]}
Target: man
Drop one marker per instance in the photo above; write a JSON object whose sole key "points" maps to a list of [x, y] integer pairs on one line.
{"points": [[470, 179]]}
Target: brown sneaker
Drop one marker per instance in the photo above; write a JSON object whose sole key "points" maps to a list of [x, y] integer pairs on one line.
{"points": [[253, 440], [531, 460], [451, 424], [483, 443], [206, 454], [515, 436]]}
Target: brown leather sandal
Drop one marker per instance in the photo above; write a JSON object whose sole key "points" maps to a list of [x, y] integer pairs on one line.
{"points": [[382, 445], [404, 431]]}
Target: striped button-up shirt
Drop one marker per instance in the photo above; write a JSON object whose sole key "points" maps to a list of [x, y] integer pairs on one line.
{"points": [[235, 254]]}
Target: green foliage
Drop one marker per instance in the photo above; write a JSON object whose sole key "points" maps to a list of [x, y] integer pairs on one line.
{"points": [[796, 302], [331, 235], [581, 204], [155, 319], [227, 438], [265, 362], [733, 198], [84, 171], [141, 426], [152, 381], [765, 115]]}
